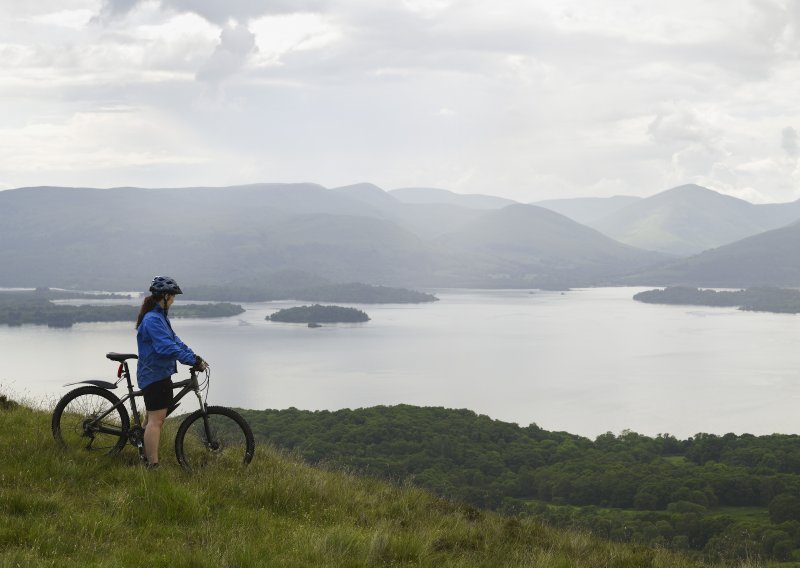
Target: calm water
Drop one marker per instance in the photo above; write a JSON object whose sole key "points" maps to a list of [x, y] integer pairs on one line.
{"points": [[587, 361]]}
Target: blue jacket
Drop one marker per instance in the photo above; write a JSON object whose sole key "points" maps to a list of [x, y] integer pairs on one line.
{"points": [[159, 348]]}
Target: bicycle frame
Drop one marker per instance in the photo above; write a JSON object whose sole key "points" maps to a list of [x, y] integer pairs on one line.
{"points": [[188, 385]]}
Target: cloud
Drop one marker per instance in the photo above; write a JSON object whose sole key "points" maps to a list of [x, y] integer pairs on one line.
{"points": [[236, 44], [90, 141], [775, 24], [524, 99], [789, 141], [112, 9], [221, 12], [680, 124], [278, 36]]}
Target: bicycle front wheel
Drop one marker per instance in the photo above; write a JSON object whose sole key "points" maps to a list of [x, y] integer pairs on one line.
{"points": [[90, 419], [221, 436]]}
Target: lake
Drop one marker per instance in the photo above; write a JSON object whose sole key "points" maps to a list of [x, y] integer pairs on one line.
{"points": [[585, 361]]}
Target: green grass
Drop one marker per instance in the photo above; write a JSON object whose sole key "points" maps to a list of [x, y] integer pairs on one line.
{"points": [[69, 509]]}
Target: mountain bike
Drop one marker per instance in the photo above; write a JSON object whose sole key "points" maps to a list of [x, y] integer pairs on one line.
{"points": [[92, 418]]}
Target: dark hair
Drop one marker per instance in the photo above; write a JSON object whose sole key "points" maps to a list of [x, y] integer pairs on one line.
{"points": [[149, 303]]}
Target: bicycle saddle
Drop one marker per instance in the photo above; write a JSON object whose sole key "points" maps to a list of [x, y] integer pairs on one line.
{"points": [[120, 357]]}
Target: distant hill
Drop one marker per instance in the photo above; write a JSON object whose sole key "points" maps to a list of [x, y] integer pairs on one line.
{"points": [[431, 195], [525, 243], [688, 219], [767, 259], [344, 248], [119, 238], [424, 219], [368, 193], [587, 210]]}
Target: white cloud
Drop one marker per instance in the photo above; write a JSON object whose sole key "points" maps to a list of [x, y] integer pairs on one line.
{"points": [[236, 45], [766, 165], [789, 141], [74, 19], [528, 99], [681, 125], [278, 35], [241, 11], [114, 137], [427, 8]]}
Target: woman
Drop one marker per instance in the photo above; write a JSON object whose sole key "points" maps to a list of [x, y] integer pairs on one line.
{"points": [[159, 348]]}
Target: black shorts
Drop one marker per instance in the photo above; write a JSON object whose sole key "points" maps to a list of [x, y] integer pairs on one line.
{"points": [[158, 395]]}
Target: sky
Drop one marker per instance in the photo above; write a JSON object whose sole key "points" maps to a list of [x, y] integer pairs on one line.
{"points": [[524, 99]]}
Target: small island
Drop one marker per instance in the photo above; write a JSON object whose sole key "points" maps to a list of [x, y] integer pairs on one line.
{"points": [[317, 314], [775, 300]]}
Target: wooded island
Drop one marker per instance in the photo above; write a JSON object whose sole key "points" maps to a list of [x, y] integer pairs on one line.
{"points": [[38, 307], [777, 300], [319, 314]]}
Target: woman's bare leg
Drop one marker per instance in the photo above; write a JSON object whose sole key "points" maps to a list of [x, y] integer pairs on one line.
{"points": [[152, 433]]}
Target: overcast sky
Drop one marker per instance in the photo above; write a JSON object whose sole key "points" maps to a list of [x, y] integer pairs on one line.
{"points": [[526, 99]]}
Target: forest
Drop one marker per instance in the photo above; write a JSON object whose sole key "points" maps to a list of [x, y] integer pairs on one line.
{"points": [[777, 300], [714, 497]]}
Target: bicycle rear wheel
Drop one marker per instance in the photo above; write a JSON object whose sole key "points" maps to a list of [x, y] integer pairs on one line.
{"points": [[76, 424], [227, 439]]}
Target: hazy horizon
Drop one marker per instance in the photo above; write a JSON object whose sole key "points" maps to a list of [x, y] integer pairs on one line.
{"points": [[387, 190]]}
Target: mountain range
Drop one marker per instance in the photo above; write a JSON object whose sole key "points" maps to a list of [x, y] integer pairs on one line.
{"points": [[689, 219], [768, 259], [756, 242], [261, 233], [117, 238], [587, 210]]}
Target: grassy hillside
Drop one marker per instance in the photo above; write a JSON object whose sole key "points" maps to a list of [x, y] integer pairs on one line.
{"points": [[75, 510], [629, 488]]}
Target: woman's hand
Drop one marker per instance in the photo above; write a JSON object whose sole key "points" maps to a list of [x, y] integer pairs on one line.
{"points": [[200, 364]]}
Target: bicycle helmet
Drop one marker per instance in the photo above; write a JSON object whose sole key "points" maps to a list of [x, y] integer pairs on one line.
{"points": [[165, 285]]}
